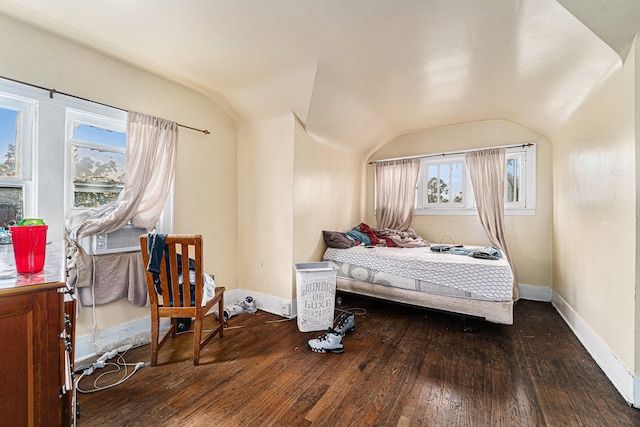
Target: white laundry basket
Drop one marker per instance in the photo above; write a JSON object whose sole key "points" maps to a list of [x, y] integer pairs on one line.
{"points": [[316, 295]]}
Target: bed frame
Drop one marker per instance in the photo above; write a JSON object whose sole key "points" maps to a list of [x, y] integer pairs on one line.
{"points": [[496, 312]]}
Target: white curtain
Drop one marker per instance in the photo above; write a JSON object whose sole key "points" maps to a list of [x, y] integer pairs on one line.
{"points": [[152, 146], [396, 192], [487, 172]]}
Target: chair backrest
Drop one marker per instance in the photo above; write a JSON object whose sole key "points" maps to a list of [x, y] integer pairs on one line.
{"points": [[178, 261]]}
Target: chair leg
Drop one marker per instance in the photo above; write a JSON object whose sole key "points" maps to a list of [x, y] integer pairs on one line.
{"points": [[198, 343], [155, 332], [197, 336], [174, 322], [221, 315]]}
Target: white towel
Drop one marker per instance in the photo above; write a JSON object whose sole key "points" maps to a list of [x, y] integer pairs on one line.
{"points": [[208, 285], [209, 288]]}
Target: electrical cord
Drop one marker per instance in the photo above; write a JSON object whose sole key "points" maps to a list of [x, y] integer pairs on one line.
{"points": [[280, 320], [120, 365], [446, 235]]}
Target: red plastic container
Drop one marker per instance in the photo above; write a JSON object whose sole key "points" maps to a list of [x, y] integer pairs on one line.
{"points": [[29, 247]]}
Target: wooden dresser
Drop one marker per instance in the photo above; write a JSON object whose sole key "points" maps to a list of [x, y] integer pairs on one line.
{"points": [[36, 324]]}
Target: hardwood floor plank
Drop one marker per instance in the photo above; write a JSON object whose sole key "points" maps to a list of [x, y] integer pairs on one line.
{"points": [[401, 367], [393, 386]]}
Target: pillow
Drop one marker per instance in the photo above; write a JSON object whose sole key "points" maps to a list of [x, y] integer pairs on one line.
{"points": [[335, 239]]}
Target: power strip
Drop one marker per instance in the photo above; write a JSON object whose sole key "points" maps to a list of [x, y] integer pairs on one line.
{"points": [[102, 360]]}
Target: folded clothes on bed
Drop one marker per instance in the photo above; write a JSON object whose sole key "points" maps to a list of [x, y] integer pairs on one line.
{"points": [[488, 252], [458, 249]]}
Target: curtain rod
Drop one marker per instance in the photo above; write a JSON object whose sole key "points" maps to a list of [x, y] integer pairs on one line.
{"points": [[451, 153], [53, 91]]}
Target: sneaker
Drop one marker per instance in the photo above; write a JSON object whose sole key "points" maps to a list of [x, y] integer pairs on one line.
{"points": [[231, 311], [329, 342], [346, 324], [184, 324], [248, 305]]}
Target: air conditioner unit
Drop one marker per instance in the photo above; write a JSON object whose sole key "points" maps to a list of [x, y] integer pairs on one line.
{"points": [[126, 239]]}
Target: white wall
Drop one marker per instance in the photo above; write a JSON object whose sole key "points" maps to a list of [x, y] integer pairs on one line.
{"points": [[206, 178], [529, 236], [292, 186], [327, 193], [595, 209], [265, 232]]}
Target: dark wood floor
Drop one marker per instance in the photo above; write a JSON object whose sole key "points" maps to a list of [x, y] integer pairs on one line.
{"points": [[401, 367]]}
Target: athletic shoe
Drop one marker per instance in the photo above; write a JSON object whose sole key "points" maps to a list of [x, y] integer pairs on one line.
{"points": [[248, 305], [329, 342], [346, 324], [184, 324], [231, 311]]}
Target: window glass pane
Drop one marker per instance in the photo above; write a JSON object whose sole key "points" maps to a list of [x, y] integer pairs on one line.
{"points": [[513, 180], [98, 176], [432, 189], [432, 184], [84, 132], [8, 146], [11, 205], [444, 183], [90, 197], [456, 182]]}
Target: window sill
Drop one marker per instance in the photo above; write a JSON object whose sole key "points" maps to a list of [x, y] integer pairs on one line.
{"points": [[474, 212]]}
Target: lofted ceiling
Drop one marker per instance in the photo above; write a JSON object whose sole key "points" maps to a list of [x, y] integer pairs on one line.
{"points": [[358, 72]]}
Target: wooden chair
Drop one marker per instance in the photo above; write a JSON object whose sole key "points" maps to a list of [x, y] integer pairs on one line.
{"points": [[173, 301]]}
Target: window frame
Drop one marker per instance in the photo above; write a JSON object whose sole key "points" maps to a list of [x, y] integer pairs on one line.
{"points": [[422, 193], [521, 202], [527, 204], [105, 117], [25, 149], [74, 116]]}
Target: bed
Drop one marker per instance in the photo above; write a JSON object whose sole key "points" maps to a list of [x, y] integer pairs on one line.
{"points": [[448, 280]]}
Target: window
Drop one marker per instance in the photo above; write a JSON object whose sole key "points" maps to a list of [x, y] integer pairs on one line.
{"points": [[441, 184], [38, 133], [97, 150], [514, 193], [16, 181], [444, 188]]}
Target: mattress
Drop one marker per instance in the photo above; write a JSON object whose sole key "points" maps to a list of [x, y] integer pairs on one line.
{"points": [[420, 269]]}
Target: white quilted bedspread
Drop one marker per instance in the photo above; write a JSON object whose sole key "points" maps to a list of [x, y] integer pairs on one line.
{"points": [[492, 279]]}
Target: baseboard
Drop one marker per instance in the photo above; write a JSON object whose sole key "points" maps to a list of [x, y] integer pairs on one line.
{"points": [[618, 374], [264, 302], [535, 293], [134, 333], [138, 332]]}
